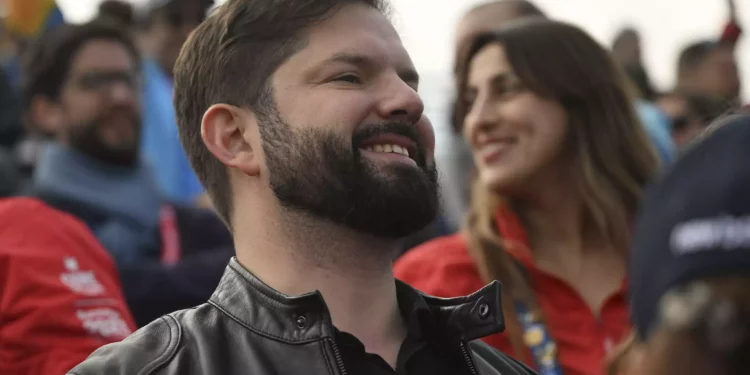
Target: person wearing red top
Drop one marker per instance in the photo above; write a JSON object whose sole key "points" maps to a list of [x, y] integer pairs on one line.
{"points": [[60, 296], [562, 163]]}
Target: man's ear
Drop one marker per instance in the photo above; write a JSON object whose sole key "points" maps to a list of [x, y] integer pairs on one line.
{"points": [[230, 133], [46, 115]]}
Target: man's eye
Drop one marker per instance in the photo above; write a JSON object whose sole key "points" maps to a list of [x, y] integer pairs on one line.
{"points": [[349, 78]]}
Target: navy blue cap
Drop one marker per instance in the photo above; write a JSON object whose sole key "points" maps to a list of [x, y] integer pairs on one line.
{"points": [[695, 222]]}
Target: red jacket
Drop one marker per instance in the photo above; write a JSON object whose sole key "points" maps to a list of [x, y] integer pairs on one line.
{"points": [[444, 268], [60, 295]]}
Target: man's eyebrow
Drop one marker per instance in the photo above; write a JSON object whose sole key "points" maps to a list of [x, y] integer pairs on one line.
{"points": [[363, 61]]}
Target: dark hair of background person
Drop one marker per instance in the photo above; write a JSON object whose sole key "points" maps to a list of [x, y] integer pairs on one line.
{"points": [[11, 129], [175, 12], [626, 51], [623, 35], [229, 59], [117, 11], [614, 158], [641, 82], [699, 107], [696, 53], [48, 60], [521, 8]]}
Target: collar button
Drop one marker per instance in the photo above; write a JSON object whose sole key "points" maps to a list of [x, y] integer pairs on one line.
{"points": [[301, 322], [484, 310]]}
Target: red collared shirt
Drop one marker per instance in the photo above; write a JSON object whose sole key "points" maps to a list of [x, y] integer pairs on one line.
{"points": [[444, 268]]}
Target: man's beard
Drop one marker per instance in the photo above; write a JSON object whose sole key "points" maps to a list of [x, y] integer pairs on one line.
{"points": [[88, 139], [320, 173]]}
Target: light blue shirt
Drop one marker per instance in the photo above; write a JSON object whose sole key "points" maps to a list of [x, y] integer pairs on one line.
{"points": [[659, 129], [160, 143]]}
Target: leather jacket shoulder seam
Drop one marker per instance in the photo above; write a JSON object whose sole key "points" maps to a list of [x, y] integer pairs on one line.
{"points": [[264, 334], [175, 336]]}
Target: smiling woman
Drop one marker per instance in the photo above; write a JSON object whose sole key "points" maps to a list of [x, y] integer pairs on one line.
{"points": [[562, 162]]}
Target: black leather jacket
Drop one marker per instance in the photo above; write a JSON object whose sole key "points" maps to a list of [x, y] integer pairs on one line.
{"points": [[249, 328]]}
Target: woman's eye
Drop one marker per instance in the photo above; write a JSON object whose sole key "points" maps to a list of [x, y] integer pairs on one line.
{"points": [[350, 78], [469, 98]]}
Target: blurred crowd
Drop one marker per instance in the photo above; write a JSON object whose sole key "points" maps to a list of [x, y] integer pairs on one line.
{"points": [[104, 226]]}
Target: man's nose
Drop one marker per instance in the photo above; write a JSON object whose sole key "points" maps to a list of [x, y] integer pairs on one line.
{"points": [[401, 102], [121, 92]]}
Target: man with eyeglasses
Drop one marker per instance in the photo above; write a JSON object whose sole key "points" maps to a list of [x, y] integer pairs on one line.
{"points": [[82, 87]]}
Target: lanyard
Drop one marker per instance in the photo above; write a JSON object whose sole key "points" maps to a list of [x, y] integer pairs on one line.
{"points": [[537, 338], [171, 251]]}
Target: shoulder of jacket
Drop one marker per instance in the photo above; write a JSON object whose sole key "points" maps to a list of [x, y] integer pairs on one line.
{"points": [[493, 361], [142, 353]]}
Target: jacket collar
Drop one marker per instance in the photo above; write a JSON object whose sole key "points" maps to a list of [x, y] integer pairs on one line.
{"points": [[260, 308]]}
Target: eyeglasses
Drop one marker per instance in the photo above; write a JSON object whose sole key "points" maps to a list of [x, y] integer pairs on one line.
{"points": [[103, 80]]}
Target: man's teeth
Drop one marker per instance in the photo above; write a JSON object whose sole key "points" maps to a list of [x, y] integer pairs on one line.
{"points": [[396, 149]]}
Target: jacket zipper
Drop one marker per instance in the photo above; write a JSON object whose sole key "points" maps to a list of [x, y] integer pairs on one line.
{"points": [[337, 354], [469, 361]]}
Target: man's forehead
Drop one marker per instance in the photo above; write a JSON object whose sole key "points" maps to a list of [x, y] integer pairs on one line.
{"points": [[102, 54], [356, 30]]}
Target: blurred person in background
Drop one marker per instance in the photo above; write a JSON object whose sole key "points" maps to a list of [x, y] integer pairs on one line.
{"points": [[491, 15], [11, 130], [710, 68], [162, 32], [457, 165], [10, 120], [690, 114], [628, 53], [82, 85], [562, 163], [626, 49], [25, 21], [60, 298], [690, 262]]}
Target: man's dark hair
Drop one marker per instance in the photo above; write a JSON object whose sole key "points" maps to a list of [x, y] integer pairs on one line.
{"points": [[699, 107], [47, 61], [176, 12], [695, 54], [229, 59], [118, 11]]}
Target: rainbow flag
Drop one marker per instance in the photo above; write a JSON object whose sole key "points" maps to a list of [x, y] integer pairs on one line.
{"points": [[29, 18]]}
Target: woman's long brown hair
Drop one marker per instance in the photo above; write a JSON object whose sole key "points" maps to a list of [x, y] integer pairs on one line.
{"points": [[613, 157]]}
